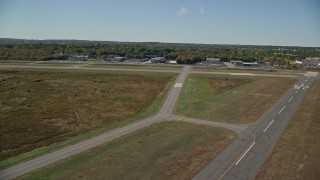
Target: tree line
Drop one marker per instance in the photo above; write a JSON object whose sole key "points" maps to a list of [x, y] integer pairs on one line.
{"points": [[182, 53]]}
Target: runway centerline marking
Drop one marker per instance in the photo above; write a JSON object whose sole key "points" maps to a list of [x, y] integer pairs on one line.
{"points": [[178, 85], [282, 109], [245, 153], [296, 91], [290, 99], [268, 125]]}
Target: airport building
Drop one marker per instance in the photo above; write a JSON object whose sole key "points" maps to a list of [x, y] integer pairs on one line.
{"points": [[213, 61], [78, 58], [158, 60], [236, 62], [251, 64]]}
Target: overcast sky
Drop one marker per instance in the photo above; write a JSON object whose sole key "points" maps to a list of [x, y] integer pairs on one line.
{"points": [[255, 22]]}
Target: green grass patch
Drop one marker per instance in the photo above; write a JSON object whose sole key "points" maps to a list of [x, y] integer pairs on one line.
{"points": [[230, 99], [167, 150]]}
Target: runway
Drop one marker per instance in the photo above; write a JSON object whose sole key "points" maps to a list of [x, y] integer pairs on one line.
{"points": [[240, 160], [247, 154]]}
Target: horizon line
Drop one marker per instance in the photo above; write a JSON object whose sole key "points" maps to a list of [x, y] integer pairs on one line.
{"points": [[159, 42]]}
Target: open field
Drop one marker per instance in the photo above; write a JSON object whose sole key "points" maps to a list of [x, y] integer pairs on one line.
{"points": [[38, 108], [35, 64], [230, 99], [167, 150], [15, 62], [296, 155]]}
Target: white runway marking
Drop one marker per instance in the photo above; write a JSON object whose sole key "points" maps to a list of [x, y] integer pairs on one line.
{"points": [[290, 98], [245, 153], [296, 92], [282, 109], [268, 125], [178, 85], [312, 74]]}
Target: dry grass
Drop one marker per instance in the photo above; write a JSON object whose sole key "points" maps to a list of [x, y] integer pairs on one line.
{"points": [[34, 111], [230, 99], [168, 150], [235, 70], [296, 155]]}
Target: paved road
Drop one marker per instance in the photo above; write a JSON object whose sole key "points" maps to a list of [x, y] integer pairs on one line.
{"points": [[238, 128], [220, 164], [247, 154], [245, 74], [83, 67]]}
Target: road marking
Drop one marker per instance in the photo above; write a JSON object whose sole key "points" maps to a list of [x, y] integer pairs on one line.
{"points": [[268, 125], [245, 153], [282, 109], [296, 92], [178, 85], [306, 80], [312, 74], [290, 99]]}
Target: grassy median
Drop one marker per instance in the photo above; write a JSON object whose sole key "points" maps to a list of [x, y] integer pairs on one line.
{"points": [[168, 150], [230, 99]]}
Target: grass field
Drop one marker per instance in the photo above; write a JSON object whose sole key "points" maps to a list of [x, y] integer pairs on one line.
{"points": [[230, 99], [15, 61], [37, 64], [35, 111], [167, 150], [296, 155]]}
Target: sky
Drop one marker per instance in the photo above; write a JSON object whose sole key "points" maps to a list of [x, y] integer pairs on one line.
{"points": [[247, 22]]}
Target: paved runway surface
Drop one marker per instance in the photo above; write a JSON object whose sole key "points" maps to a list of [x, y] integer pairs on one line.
{"points": [[247, 154], [240, 160]]}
